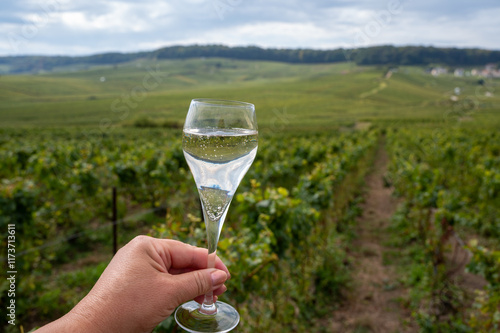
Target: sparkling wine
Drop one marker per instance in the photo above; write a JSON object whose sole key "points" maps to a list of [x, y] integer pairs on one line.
{"points": [[219, 143], [218, 160]]}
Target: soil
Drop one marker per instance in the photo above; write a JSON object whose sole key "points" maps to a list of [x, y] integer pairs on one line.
{"points": [[374, 303]]}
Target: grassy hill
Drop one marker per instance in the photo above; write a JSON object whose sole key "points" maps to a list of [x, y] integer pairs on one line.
{"points": [[374, 55], [57, 176], [296, 95]]}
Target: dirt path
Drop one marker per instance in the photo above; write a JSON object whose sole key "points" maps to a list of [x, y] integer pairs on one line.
{"points": [[373, 305]]}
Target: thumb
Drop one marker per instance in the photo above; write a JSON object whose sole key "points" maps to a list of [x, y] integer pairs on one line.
{"points": [[192, 284]]}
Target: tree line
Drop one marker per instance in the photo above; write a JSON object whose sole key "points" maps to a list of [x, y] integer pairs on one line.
{"points": [[376, 55]]}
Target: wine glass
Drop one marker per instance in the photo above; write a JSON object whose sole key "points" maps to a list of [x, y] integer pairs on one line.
{"points": [[219, 143]]}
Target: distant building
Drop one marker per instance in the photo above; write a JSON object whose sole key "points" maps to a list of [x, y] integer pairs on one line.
{"points": [[438, 71], [459, 72], [490, 70], [490, 67]]}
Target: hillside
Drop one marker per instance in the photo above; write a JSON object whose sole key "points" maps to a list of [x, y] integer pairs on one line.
{"points": [[302, 95], [378, 55], [314, 221]]}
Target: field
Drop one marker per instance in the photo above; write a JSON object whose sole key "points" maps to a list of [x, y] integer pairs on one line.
{"points": [[378, 186]]}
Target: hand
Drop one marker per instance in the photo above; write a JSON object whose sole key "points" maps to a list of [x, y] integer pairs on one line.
{"points": [[143, 284]]}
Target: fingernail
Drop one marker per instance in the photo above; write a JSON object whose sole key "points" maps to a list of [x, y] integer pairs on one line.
{"points": [[218, 277]]}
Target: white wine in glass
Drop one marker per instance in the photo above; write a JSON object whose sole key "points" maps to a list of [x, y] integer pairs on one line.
{"points": [[220, 143]]}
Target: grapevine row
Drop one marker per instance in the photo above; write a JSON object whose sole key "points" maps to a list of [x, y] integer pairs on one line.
{"points": [[450, 180], [57, 184]]}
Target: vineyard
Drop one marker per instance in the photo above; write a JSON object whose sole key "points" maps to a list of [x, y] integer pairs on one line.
{"points": [[289, 234], [450, 181], [55, 190]]}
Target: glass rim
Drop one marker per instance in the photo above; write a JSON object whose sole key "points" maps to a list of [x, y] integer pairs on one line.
{"points": [[223, 102]]}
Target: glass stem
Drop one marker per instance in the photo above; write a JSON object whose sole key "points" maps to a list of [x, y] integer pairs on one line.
{"points": [[213, 231], [208, 306]]}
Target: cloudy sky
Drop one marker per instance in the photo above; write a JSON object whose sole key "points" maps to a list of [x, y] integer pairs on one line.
{"points": [[71, 27]]}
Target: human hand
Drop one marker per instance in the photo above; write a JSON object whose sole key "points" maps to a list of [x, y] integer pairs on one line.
{"points": [[143, 284]]}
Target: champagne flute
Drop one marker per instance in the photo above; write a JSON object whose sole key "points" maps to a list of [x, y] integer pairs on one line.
{"points": [[219, 143]]}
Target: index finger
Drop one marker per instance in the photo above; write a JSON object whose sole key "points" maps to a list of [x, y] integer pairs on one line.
{"points": [[180, 257]]}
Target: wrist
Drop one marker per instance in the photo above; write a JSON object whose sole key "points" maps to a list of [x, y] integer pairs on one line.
{"points": [[87, 316], [71, 322]]}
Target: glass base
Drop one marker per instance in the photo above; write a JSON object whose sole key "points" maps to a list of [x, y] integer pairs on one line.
{"points": [[192, 320]]}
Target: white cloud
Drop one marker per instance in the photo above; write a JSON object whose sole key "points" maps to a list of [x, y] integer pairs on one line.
{"points": [[120, 17], [266, 34], [477, 30], [94, 26]]}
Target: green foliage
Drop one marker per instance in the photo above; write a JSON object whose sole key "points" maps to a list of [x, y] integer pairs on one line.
{"points": [[379, 55], [486, 315], [287, 259], [56, 189], [448, 179], [299, 97], [289, 220], [145, 122], [288, 228]]}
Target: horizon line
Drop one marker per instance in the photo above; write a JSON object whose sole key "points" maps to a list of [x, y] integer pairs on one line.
{"points": [[248, 46]]}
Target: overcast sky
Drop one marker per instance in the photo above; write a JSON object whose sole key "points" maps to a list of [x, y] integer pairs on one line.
{"points": [[71, 27]]}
